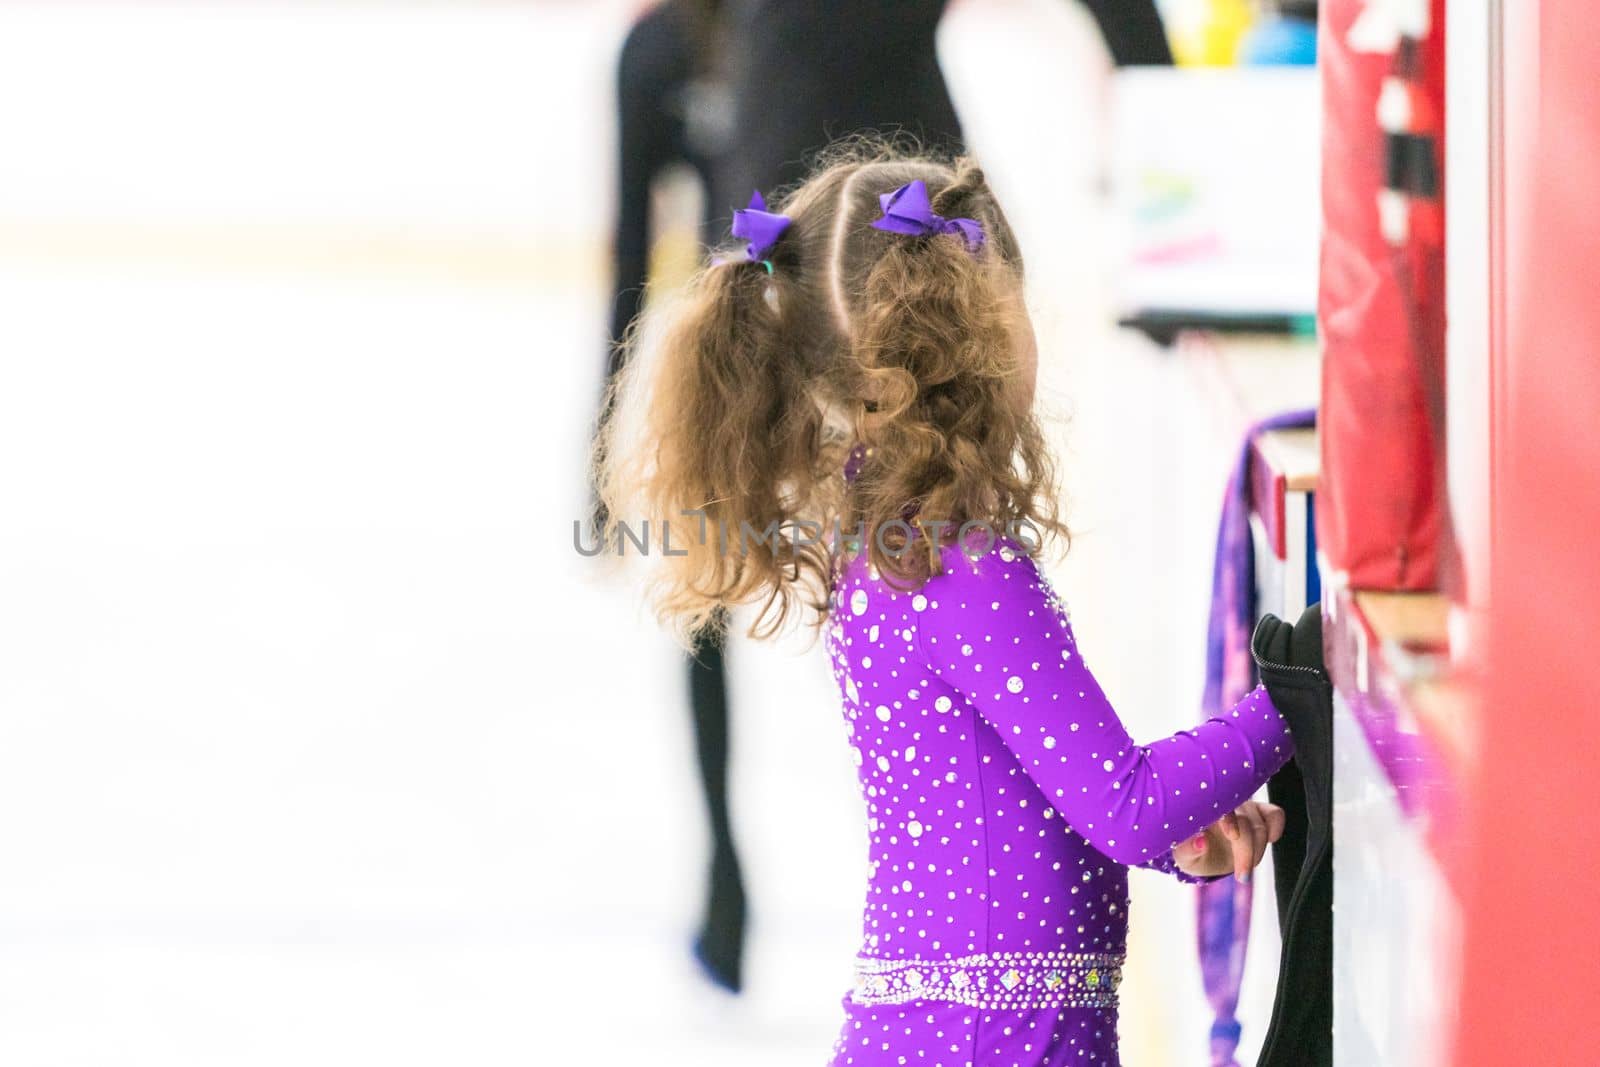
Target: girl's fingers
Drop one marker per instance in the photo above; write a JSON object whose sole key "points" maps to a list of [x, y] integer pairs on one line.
{"points": [[1252, 845], [1248, 830], [1191, 849], [1242, 844], [1191, 854], [1242, 849], [1258, 825], [1275, 821]]}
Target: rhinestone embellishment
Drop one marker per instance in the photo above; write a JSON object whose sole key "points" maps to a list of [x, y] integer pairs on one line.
{"points": [[1053, 600], [995, 980]]}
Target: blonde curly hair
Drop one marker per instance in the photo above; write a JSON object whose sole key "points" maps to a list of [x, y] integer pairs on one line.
{"points": [[742, 399]]}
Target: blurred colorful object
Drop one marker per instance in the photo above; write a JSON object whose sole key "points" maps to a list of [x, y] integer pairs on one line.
{"points": [[1206, 33], [1280, 41], [1214, 178]]}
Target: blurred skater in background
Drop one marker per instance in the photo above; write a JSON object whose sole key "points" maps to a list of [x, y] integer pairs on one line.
{"points": [[804, 74], [670, 114]]}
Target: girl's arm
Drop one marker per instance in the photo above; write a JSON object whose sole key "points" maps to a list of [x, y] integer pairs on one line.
{"points": [[994, 630]]}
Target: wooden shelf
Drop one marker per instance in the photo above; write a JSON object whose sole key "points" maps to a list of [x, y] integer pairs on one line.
{"points": [[1406, 619], [1293, 455]]}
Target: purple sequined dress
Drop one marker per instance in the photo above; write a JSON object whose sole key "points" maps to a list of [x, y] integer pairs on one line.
{"points": [[1004, 803]]}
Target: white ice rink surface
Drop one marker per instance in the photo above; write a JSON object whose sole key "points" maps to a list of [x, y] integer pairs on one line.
{"points": [[318, 742]]}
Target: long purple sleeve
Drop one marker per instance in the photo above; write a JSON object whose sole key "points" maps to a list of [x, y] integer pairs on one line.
{"points": [[995, 631], [991, 932]]}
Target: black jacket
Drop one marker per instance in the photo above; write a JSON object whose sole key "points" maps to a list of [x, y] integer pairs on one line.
{"points": [[1291, 665]]}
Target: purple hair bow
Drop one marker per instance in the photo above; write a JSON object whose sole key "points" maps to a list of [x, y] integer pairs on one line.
{"points": [[760, 227], [907, 211]]}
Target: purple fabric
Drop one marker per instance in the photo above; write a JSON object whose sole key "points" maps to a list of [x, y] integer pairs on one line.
{"points": [[1005, 800], [1224, 906], [907, 210], [760, 227]]}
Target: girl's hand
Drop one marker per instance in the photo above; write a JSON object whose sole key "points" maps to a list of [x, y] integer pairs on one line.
{"points": [[1236, 842]]}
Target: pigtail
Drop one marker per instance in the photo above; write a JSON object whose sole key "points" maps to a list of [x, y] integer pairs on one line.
{"points": [[938, 340], [724, 448]]}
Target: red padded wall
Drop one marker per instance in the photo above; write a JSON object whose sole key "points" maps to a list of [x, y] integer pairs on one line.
{"points": [[1532, 927], [1380, 513]]}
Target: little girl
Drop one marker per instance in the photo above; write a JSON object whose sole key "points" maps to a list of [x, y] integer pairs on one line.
{"points": [[836, 425]]}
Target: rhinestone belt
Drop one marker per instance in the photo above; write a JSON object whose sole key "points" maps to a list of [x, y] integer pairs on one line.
{"points": [[995, 980]]}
